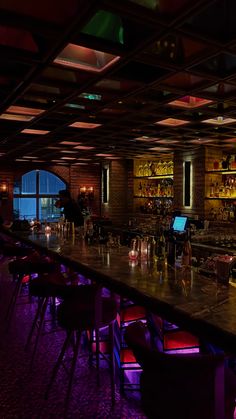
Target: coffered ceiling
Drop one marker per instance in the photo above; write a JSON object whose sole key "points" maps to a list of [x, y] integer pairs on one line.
{"points": [[83, 81]]}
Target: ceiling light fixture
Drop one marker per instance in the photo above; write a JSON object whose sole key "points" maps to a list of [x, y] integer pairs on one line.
{"points": [[77, 56], [84, 125], [172, 122], [34, 131], [15, 117], [84, 147], [24, 111]]}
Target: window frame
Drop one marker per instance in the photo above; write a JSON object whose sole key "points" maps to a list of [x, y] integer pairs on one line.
{"points": [[38, 195]]}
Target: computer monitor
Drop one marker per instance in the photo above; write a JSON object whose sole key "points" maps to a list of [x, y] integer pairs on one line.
{"points": [[179, 224]]}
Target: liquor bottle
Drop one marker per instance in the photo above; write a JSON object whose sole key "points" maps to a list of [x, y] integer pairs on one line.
{"points": [[212, 192], [140, 188], [216, 165], [187, 251], [160, 248]]}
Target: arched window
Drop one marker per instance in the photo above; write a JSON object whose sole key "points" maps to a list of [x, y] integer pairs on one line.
{"points": [[35, 196]]}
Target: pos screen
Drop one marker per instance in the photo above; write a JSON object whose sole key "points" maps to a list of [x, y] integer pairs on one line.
{"points": [[179, 223]]}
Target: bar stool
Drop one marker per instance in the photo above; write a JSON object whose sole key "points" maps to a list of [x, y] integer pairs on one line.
{"points": [[14, 250], [25, 266], [46, 287], [184, 385], [86, 311]]}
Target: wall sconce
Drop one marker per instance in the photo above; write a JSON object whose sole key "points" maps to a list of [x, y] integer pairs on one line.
{"points": [[82, 190], [4, 190], [87, 192]]}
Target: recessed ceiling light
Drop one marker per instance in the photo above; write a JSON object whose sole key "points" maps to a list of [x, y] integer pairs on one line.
{"points": [[34, 131], [80, 164], [84, 125], [103, 155], [22, 160], [114, 158], [201, 141], [172, 122], [30, 157], [68, 151], [69, 142], [84, 147], [68, 158], [189, 102], [76, 56], [160, 149], [146, 139], [15, 117], [85, 159], [219, 120], [24, 111]]}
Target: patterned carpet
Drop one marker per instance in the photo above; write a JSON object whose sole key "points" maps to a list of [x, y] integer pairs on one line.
{"points": [[22, 390]]}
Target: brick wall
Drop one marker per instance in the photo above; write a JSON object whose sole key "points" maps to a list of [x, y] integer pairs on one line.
{"points": [[74, 178], [6, 205], [117, 207]]}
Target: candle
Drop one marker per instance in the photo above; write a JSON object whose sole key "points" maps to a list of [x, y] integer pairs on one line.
{"points": [[47, 230], [133, 254]]}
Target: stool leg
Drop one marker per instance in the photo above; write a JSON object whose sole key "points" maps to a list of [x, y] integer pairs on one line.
{"points": [[112, 361], [90, 342], [97, 355], [58, 363], [72, 371], [13, 296], [40, 303], [42, 315], [11, 306]]}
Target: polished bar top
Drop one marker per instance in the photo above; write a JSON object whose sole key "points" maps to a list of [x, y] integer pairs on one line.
{"points": [[182, 295]]}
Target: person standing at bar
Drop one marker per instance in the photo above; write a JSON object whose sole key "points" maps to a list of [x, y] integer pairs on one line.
{"points": [[71, 210]]}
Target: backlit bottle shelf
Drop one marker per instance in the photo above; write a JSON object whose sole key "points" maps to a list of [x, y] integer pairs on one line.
{"points": [[154, 197], [221, 198], [164, 176], [222, 171]]}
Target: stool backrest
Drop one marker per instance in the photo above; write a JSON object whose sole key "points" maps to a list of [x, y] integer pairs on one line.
{"points": [[174, 386]]}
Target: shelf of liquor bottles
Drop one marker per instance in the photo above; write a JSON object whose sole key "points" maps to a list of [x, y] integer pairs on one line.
{"points": [[220, 186], [153, 186], [154, 206], [154, 197], [153, 168]]}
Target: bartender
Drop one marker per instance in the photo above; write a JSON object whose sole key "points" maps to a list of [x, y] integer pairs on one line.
{"points": [[71, 210]]}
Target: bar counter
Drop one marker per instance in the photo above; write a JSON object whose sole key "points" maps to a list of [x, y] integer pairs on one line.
{"points": [[181, 295]]}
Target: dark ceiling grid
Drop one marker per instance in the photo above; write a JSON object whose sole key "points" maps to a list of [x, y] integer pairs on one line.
{"points": [[204, 74]]}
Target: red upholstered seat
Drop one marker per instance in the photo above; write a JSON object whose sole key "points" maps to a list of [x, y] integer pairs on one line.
{"points": [[132, 312], [180, 340]]}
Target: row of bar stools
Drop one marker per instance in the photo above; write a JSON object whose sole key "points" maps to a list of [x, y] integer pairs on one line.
{"points": [[84, 310], [26, 266]]}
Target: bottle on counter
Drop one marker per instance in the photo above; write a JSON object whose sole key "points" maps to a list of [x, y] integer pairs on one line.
{"points": [[187, 251], [160, 248]]}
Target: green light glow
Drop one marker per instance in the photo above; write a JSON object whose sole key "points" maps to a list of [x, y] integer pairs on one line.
{"points": [[74, 105], [90, 96], [105, 25]]}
